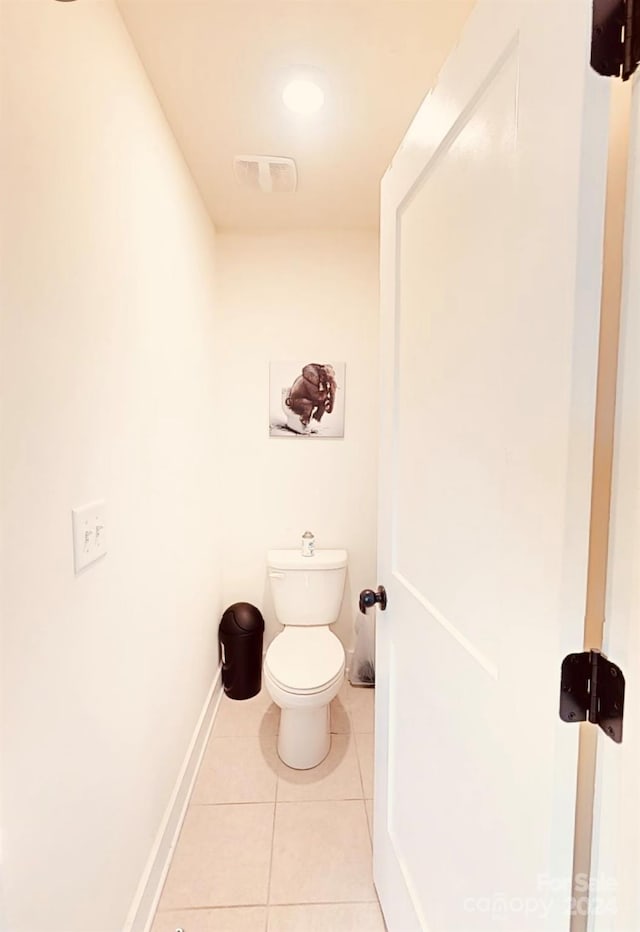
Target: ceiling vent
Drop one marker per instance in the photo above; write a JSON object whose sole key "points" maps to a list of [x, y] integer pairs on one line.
{"points": [[266, 173]]}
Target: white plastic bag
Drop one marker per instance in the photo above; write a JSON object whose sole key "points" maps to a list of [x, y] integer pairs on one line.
{"points": [[363, 666]]}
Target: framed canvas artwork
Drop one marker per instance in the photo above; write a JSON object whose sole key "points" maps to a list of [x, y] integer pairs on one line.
{"points": [[306, 399]]}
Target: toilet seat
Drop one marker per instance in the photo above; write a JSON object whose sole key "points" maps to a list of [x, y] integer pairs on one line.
{"points": [[305, 660], [288, 691]]}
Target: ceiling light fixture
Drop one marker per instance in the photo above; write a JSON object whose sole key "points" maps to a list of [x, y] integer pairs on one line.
{"points": [[303, 96]]}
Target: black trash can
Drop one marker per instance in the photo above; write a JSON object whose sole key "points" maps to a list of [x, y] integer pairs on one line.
{"points": [[241, 634]]}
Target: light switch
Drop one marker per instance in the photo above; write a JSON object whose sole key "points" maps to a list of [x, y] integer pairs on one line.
{"points": [[89, 534]]}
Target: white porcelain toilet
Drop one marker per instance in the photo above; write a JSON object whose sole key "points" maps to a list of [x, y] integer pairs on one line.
{"points": [[304, 665]]}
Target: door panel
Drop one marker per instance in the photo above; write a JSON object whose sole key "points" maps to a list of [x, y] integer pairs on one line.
{"points": [[450, 461], [491, 257]]}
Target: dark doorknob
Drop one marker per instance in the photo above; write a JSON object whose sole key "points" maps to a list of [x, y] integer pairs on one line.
{"points": [[369, 598]]}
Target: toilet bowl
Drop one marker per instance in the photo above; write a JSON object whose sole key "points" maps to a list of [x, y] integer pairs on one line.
{"points": [[293, 421], [304, 665], [303, 672]]}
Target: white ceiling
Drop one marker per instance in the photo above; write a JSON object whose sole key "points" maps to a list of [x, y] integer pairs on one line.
{"points": [[218, 67]]}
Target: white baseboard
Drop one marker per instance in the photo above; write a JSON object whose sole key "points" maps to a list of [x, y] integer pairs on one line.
{"points": [[145, 901]]}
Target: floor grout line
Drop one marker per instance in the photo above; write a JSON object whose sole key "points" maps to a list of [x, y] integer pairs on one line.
{"points": [[267, 906], [195, 909], [355, 741], [287, 802], [244, 802], [273, 835]]}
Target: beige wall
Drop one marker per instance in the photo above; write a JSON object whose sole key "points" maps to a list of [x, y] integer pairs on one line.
{"points": [[114, 385], [297, 296], [108, 389]]}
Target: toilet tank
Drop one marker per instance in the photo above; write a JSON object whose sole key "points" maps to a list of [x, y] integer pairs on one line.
{"points": [[307, 590]]}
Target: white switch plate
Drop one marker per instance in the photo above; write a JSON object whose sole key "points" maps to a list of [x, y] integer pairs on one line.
{"points": [[89, 534]]}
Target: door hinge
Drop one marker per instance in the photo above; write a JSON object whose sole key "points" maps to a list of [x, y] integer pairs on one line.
{"points": [[592, 688], [615, 37]]}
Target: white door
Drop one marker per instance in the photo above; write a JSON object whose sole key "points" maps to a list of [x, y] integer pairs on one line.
{"points": [[491, 262], [615, 874]]}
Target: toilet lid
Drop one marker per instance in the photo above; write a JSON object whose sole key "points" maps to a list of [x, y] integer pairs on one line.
{"points": [[305, 658]]}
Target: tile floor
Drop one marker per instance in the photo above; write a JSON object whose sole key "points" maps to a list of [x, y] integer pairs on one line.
{"points": [[269, 849]]}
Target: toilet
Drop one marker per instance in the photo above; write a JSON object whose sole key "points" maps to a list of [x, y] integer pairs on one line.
{"points": [[293, 421], [304, 664]]}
